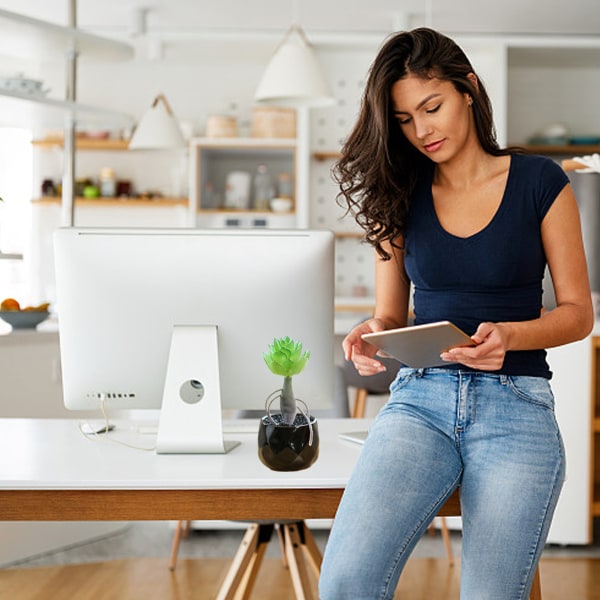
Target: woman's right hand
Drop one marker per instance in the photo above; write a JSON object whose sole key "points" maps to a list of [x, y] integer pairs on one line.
{"points": [[361, 353]]}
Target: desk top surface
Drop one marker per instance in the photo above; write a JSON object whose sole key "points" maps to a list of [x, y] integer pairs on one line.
{"points": [[52, 454]]}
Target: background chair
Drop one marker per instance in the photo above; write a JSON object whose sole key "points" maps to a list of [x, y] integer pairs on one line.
{"points": [[366, 386]]}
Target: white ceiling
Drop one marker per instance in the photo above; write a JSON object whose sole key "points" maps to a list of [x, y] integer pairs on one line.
{"points": [[368, 16]]}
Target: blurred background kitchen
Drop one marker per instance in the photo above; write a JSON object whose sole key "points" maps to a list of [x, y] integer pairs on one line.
{"points": [[69, 104]]}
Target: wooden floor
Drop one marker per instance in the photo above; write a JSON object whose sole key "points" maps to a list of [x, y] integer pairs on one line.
{"points": [[199, 579]]}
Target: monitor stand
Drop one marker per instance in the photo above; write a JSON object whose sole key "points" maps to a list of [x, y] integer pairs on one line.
{"points": [[190, 418]]}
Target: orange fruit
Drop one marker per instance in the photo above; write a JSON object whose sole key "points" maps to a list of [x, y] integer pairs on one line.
{"points": [[39, 308], [10, 304]]}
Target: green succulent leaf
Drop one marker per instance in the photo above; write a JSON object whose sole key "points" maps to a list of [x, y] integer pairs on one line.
{"points": [[286, 357]]}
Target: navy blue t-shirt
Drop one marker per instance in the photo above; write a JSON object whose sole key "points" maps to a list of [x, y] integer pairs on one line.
{"points": [[494, 275]]}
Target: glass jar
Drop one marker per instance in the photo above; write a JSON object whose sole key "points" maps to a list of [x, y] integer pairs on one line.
{"points": [[108, 183], [263, 188], [285, 185]]}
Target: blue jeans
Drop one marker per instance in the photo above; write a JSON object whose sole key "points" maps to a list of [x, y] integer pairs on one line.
{"points": [[496, 437]]}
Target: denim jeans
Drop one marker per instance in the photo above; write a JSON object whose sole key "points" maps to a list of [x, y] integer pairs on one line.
{"points": [[493, 435]]}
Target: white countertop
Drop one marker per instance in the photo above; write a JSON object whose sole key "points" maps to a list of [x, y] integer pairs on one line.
{"points": [[50, 454], [343, 323]]}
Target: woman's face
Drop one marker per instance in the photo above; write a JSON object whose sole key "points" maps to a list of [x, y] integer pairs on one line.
{"points": [[434, 116]]}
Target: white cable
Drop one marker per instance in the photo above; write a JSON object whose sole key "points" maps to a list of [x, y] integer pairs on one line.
{"points": [[103, 434]]}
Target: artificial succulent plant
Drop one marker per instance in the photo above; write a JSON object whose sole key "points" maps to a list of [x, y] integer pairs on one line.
{"points": [[287, 358]]}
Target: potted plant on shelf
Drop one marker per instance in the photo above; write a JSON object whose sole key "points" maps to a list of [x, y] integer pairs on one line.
{"points": [[288, 440]]}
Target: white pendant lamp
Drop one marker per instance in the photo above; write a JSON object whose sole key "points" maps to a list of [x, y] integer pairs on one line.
{"points": [[293, 78], [157, 129]]}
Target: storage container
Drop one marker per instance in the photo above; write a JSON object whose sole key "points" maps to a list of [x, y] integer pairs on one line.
{"points": [[273, 122]]}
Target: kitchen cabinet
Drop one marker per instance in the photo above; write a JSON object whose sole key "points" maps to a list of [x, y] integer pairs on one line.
{"points": [[211, 162]]}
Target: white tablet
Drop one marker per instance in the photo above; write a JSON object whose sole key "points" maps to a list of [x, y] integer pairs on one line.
{"points": [[358, 437], [420, 346]]}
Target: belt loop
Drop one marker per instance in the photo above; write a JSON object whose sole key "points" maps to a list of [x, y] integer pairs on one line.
{"points": [[420, 372], [503, 379]]}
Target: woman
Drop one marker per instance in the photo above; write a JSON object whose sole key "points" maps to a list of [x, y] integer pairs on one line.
{"points": [[471, 226]]}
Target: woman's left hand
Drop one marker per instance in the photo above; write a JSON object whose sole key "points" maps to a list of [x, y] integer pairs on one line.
{"points": [[491, 343]]}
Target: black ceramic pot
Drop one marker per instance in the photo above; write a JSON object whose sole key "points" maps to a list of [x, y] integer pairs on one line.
{"points": [[283, 447]]}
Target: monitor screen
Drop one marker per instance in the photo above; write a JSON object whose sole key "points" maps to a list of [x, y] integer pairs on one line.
{"points": [[121, 293]]}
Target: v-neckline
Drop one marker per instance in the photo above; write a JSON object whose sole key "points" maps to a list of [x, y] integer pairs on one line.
{"points": [[494, 217]]}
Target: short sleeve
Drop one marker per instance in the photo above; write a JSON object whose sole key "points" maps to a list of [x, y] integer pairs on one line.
{"points": [[551, 181]]}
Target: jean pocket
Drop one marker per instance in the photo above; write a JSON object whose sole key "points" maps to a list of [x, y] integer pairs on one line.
{"points": [[404, 376], [535, 390]]}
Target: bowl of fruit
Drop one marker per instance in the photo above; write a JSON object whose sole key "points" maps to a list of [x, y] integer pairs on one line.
{"points": [[28, 317]]}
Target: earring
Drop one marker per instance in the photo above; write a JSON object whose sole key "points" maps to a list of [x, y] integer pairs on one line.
{"points": [[470, 102]]}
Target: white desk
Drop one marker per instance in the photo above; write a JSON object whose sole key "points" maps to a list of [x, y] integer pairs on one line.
{"points": [[51, 472]]}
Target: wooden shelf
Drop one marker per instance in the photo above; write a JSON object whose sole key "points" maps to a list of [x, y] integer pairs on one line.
{"points": [[103, 201], [348, 235], [549, 149], [83, 143], [237, 143], [355, 304], [326, 155], [241, 211], [569, 149]]}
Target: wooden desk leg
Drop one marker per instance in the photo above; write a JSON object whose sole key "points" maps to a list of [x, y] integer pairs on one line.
{"points": [[187, 525], [295, 556], [241, 576], [182, 529], [175, 545]]}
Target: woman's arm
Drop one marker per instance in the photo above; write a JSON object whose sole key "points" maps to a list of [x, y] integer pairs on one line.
{"points": [[573, 317], [392, 290]]}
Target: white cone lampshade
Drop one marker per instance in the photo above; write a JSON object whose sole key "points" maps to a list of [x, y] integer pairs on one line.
{"points": [[293, 78], [157, 129]]}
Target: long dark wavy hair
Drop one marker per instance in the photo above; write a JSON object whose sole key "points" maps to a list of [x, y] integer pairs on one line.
{"points": [[379, 167]]}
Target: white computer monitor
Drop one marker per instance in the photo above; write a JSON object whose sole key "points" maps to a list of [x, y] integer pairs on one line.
{"points": [[122, 293]]}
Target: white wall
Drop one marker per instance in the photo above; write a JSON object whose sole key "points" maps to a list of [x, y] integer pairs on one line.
{"points": [[540, 96]]}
